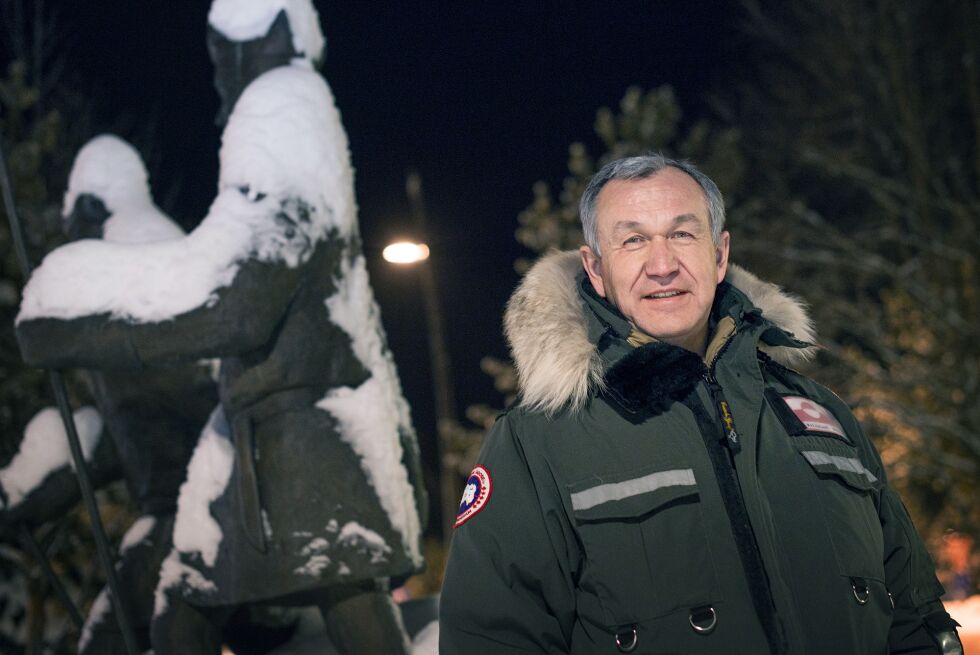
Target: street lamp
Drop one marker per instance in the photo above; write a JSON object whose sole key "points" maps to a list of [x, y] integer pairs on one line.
{"points": [[405, 252]]}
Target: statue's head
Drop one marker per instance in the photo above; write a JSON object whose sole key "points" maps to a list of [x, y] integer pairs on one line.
{"points": [[108, 196], [107, 176], [246, 40]]}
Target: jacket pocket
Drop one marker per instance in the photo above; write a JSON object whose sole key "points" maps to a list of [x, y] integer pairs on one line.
{"points": [[646, 551], [845, 492]]}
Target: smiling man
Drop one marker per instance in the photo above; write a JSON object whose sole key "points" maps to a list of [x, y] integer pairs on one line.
{"points": [[667, 483], [662, 260]]}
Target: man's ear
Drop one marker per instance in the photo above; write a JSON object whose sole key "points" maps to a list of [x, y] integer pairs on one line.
{"points": [[721, 255], [591, 264]]}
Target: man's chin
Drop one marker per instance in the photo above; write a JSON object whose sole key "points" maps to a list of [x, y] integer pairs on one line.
{"points": [[690, 338]]}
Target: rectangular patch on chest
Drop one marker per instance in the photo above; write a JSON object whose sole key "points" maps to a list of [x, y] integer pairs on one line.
{"points": [[815, 417]]}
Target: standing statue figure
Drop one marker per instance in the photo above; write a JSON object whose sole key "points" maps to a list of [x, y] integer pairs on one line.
{"points": [[305, 486], [152, 417]]}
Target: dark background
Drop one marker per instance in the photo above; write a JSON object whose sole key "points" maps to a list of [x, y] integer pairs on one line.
{"points": [[482, 99]]}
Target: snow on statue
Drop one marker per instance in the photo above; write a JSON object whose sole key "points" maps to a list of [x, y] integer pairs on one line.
{"points": [[152, 416], [306, 484]]}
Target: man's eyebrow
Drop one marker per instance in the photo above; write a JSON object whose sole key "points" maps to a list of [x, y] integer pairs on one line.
{"points": [[622, 226], [681, 219], [684, 219]]}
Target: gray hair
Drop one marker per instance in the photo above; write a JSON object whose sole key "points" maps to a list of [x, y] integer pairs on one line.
{"points": [[640, 168]]}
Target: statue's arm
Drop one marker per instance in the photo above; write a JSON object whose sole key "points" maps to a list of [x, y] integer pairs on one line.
{"points": [[39, 484], [239, 318]]}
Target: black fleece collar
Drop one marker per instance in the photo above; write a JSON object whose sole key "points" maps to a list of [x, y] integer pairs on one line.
{"points": [[643, 382], [646, 381]]}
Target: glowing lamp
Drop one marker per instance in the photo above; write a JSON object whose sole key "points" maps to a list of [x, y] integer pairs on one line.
{"points": [[405, 252]]}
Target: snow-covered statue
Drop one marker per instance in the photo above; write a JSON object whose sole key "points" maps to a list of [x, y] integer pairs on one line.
{"points": [[242, 45], [108, 196], [306, 484], [146, 423]]}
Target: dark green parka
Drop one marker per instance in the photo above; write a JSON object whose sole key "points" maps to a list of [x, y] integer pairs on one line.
{"points": [[645, 500]]}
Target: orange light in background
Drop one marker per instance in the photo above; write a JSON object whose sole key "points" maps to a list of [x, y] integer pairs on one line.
{"points": [[405, 252]]}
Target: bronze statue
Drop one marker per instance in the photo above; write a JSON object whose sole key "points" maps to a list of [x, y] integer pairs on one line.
{"points": [[305, 486]]}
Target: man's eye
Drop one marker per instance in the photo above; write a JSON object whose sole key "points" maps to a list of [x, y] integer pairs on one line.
{"points": [[681, 234], [632, 240]]}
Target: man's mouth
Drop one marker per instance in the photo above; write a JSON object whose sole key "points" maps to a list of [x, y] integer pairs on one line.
{"points": [[664, 294]]}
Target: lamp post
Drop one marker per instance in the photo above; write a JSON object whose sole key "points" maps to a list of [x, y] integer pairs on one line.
{"points": [[408, 253]]}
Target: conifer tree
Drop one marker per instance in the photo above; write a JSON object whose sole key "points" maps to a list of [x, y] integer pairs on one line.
{"points": [[861, 123], [852, 179]]}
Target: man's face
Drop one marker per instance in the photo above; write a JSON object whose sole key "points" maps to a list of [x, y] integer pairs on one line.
{"points": [[659, 266]]}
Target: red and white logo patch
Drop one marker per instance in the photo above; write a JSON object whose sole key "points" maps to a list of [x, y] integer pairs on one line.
{"points": [[814, 416], [476, 493]]}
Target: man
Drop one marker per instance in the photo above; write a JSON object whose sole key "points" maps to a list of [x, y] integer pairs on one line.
{"points": [[666, 483]]}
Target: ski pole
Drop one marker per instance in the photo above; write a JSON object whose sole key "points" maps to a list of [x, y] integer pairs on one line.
{"points": [[61, 397]]}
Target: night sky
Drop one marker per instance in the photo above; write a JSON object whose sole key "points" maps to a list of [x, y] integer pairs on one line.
{"points": [[482, 99]]}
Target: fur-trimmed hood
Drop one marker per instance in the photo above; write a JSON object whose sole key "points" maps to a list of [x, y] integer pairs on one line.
{"points": [[558, 364]]}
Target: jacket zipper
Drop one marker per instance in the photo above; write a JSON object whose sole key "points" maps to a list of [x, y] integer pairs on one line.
{"points": [[723, 460], [733, 441]]}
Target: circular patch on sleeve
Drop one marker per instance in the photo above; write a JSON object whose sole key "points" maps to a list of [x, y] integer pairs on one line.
{"points": [[476, 493]]}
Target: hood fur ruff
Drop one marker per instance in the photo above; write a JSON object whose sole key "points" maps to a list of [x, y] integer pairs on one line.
{"points": [[557, 364]]}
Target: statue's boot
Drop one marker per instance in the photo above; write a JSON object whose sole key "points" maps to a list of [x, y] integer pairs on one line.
{"points": [[185, 629], [103, 637], [362, 619]]}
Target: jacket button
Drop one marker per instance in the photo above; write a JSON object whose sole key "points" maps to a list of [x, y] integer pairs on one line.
{"points": [[703, 619], [626, 640], [859, 587]]}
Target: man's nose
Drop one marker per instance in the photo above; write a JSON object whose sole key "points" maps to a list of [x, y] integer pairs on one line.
{"points": [[661, 261]]}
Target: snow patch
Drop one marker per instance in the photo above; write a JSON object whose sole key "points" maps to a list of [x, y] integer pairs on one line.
{"points": [[354, 532], [313, 566], [173, 573], [96, 614], [426, 641], [285, 184], [244, 20], [317, 561], [374, 415], [317, 545], [138, 531], [141, 282], [355, 535], [140, 225], [266, 524], [212, 366], [195, 530], [285, 138], [45, 449], [110, 169]]}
